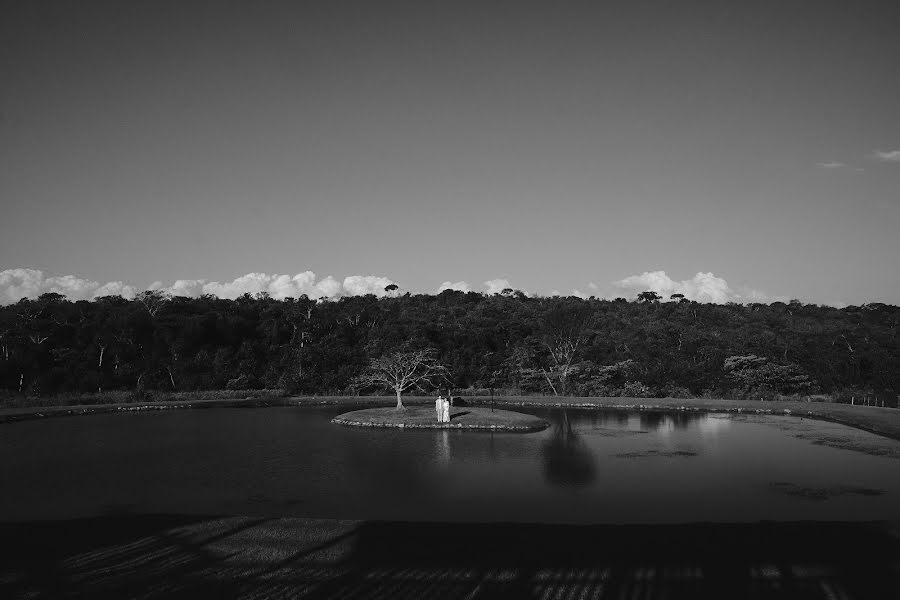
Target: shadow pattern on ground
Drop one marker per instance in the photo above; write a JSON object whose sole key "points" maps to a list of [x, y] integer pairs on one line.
{"points": [[241, 557]]}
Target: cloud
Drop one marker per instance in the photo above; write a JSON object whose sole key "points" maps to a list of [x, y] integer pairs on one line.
{"points": [[703, 287], [887, 156], [190, 288], [831, 164], [115, 288], [328, 288], [495, 286], [360, 285], [20, 283], [280, 287], [16, 284], [459, 286], [251, 283]]}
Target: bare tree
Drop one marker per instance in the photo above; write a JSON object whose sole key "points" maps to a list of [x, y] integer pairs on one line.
{"points": [[562, 350], [402, 371], [565, 331], [153, 300]]}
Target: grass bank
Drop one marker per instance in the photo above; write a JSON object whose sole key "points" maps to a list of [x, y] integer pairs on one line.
{"points": [[122, 397]]}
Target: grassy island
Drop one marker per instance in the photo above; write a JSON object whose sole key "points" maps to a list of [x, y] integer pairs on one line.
{"points": [[419, 417]]}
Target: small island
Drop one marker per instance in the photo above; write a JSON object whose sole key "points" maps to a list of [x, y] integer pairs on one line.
{"points": [[423, 417]]}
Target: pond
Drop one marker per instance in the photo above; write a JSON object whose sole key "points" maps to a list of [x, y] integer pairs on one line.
{"points": [[589, 466]]}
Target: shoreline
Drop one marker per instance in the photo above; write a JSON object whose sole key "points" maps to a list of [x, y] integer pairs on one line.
{"points": [[417, 417], [880, 421]]}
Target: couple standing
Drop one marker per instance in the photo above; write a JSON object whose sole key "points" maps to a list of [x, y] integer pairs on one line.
{"points": [[442, 408]]}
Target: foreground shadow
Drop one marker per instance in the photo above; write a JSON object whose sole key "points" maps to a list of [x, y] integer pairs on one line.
{"points": [[188, 557]]}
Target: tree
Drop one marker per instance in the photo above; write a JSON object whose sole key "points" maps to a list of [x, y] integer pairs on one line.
{"points": [[649, 296], [402, 371], [755, 374], [565, 330], [154, 300]]}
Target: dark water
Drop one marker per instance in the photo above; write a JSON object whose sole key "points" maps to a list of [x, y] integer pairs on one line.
{"points": [[588, 467]]}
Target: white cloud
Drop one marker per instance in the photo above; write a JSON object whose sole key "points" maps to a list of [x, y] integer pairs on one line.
{"points": [[31, 283], [115, 288], [251, 283], [831, 164], [703, 287], [280, 287], [187, 287], [285, 286], [495, 286], [459, 286], [328, 288], [20, 283], [73, 287], [887, 156], [16, 284], [360, 285]]}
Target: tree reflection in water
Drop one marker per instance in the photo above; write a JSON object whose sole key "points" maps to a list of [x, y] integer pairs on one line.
{"points": [[567, 459], [667, 421]]}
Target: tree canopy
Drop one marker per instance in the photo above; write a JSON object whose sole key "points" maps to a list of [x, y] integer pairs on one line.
{"points": [[508, 342]]}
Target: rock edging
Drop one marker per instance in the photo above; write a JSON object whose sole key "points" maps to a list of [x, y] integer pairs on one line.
{"points": [[492, 427], [462, 418]]}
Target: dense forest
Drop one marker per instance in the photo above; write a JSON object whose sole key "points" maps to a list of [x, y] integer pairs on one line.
{"points": [[506, 343]]}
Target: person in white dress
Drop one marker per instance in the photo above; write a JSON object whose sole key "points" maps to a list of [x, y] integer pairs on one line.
{"points": [[446, 411]]}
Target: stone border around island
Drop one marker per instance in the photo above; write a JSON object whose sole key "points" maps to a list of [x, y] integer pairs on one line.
{"points": [[352, 423], [375, 417]]}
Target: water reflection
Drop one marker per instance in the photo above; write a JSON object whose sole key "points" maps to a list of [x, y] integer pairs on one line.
{"points": [[667, 422], [567, 459], [713, 425], [639, 421], [442, 448]]}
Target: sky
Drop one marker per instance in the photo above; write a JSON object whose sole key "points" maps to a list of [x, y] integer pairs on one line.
{"points": [[731, 151]]}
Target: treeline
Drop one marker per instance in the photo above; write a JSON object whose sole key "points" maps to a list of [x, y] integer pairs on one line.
{"points": [[506, 343]]}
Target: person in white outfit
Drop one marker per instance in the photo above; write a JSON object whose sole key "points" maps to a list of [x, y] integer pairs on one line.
{"points": [[439, 409], [446, 411]]}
